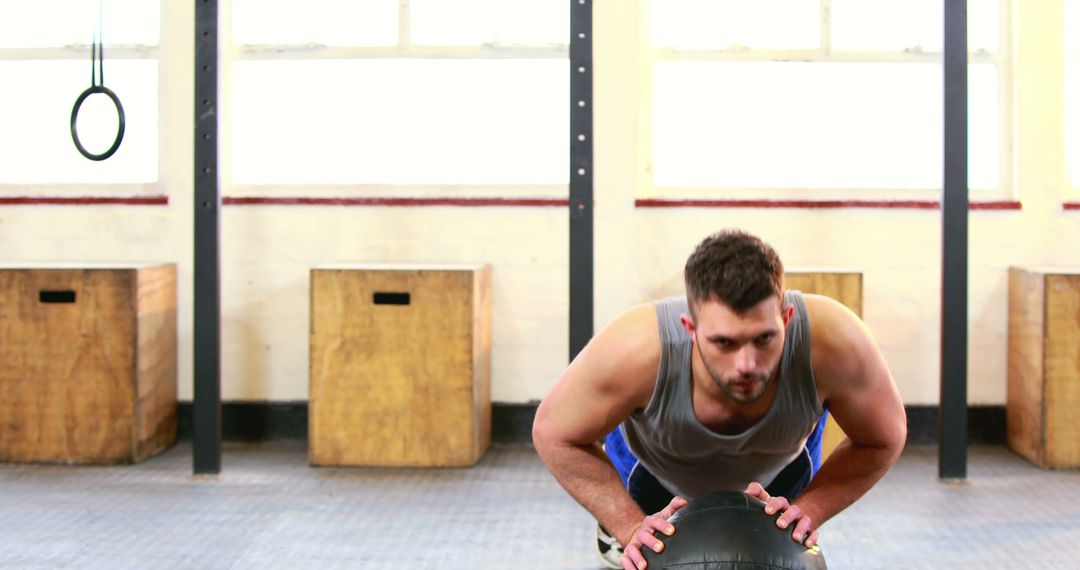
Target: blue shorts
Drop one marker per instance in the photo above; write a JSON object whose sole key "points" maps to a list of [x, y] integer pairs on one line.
{"points": [[652, 496]]}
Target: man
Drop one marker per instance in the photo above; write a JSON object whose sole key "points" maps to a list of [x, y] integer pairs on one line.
{"points": [[721, 390]]}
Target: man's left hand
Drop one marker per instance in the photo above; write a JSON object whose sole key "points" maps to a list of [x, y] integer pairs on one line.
{"points": [[804, 533]]}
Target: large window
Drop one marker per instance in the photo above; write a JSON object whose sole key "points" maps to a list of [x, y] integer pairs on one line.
{"points": [[1071, 27], [397, 96], [818, 98], [45, 60]]}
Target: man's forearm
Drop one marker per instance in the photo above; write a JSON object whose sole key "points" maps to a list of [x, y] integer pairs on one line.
{"points": [[588, 476], [849, 472]]}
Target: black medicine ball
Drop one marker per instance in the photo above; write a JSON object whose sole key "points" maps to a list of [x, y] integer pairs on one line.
{"points": [[729, 530]]}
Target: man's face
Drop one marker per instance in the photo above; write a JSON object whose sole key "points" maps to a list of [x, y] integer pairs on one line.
{"points": [[740, 352]]}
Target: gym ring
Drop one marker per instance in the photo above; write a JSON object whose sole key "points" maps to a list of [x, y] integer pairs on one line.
{"points": [[75, 115]]}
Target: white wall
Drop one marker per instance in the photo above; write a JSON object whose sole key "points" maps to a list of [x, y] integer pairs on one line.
{"points": [[269, 250]]}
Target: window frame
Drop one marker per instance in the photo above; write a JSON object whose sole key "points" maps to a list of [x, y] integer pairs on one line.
{"points": [[652, 195], [361, 193], [1070, 194], [132, 193]]}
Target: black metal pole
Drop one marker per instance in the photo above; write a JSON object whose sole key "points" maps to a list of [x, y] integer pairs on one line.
{"points": [[206, 420], [952, 451], [581, 176]]}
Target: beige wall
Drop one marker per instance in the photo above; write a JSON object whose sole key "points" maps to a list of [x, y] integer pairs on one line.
{"points": [[269, 250]]}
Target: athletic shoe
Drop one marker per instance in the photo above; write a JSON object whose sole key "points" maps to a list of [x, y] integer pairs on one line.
{"points": [[608, 548]]}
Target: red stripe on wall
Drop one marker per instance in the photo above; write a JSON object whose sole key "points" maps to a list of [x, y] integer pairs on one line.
{"points": [[1000, 205], [445, 201], [816, 204], [515, 202], [84, 200], [1072, 205]]}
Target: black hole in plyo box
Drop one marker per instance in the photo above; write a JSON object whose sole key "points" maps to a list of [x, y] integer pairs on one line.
{"points": [[56, 296], [383, 298]]}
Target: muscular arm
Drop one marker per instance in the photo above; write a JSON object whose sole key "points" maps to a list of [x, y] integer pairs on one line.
{"points": [[611, 377], [854, 380]]}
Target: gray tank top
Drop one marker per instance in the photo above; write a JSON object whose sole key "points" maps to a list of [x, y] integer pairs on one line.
{"points": [[692, 460]]}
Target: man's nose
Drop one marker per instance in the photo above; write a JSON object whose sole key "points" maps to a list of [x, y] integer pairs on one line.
{"points": [[745, 359]]}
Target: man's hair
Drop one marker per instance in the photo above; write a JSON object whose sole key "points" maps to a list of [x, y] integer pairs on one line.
{"points": [[735, 268]]}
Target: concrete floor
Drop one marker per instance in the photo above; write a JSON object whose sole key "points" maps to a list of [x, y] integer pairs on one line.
{"points": [[269, 509]]}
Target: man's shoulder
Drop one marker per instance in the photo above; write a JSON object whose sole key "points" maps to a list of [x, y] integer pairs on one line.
{"points": [[634, 325], [832, 324], [839, 337], [627, 349], [830, 312]]}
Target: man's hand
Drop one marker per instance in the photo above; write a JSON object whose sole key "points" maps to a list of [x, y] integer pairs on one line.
{"points": [[643, 535], [804, 527]]}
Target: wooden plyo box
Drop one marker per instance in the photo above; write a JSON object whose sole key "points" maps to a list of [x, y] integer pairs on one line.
{"points": [[1042, 407], [400, 365], [87, 363], [840, 285]]}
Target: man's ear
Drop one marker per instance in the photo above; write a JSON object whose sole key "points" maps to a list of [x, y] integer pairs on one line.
{"points": [[786, 313], [688, 324]]}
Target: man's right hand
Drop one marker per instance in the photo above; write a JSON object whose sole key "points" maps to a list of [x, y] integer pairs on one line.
{"points": [[642, 536]]}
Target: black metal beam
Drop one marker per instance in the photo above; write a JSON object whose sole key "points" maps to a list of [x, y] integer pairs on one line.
{"points": [[206, 421], [952, 451], [581, 176]]}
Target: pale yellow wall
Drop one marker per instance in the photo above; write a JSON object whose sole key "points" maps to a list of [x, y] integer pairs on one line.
{"points": [[268, 253], [268, 250]]}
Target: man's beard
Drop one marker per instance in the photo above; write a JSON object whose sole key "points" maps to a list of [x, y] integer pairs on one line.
{"points": [[727, 385]]}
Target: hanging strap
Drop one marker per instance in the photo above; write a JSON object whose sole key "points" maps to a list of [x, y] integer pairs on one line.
{"points": [[97, 85]]}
